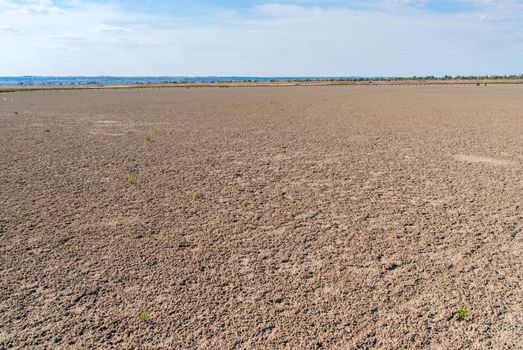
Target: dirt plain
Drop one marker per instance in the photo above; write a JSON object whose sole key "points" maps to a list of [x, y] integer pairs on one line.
{"points": [[334, 217]]}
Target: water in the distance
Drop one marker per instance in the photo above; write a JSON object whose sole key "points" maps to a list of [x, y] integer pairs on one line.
{"points": [[109, 80]]}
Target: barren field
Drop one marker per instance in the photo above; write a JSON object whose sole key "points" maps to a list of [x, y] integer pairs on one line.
{"points": [[334, 217]]}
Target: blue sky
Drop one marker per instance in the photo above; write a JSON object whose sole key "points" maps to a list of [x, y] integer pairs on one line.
{"points": [[261, 38]]}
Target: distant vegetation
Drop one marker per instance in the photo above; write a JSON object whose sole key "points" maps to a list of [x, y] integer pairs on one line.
{"points": [[427, 77], [360, 79], [148, 138]]}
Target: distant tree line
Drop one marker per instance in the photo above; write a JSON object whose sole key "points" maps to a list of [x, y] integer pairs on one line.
{"points": [[428, 77]]}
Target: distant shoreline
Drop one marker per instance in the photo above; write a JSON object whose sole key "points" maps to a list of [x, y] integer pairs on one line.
{"points": [[33, 80], [369, 82]]}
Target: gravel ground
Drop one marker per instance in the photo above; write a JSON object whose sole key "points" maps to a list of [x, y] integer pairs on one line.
{"points": [[262, 218]]}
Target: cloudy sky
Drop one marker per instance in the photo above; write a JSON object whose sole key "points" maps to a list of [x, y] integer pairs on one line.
{"points": [[261, 38]]}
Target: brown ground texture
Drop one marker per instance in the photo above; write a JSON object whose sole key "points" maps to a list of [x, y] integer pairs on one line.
{"points": [[334, 217]]}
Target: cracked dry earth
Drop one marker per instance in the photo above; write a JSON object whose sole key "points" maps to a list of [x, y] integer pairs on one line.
{"points": [[331, 218]]}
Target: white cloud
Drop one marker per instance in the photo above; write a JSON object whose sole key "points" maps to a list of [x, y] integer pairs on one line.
{"points": [[31, 6], [111, 28], [9, 29], [406, 2]]}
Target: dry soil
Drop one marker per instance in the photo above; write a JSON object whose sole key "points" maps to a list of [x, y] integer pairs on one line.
{"points": [[335, 217]]}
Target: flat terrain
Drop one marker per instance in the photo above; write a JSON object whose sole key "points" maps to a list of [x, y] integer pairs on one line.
{"points": [[331, 217]]}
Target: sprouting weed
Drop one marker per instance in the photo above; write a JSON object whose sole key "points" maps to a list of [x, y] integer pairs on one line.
{"points": [[129, 179], [462, 313], [198, 195], [143, 316]]}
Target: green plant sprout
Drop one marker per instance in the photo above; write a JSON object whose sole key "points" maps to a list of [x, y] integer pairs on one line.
{"points": [[143, 316], [198, 195], [129, 179], [462, 313]]}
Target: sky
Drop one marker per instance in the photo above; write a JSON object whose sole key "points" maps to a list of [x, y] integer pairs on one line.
{"points": [[261, 38]]}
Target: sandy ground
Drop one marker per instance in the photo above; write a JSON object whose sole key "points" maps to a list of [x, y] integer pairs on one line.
{"points": [[331, 218]]}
